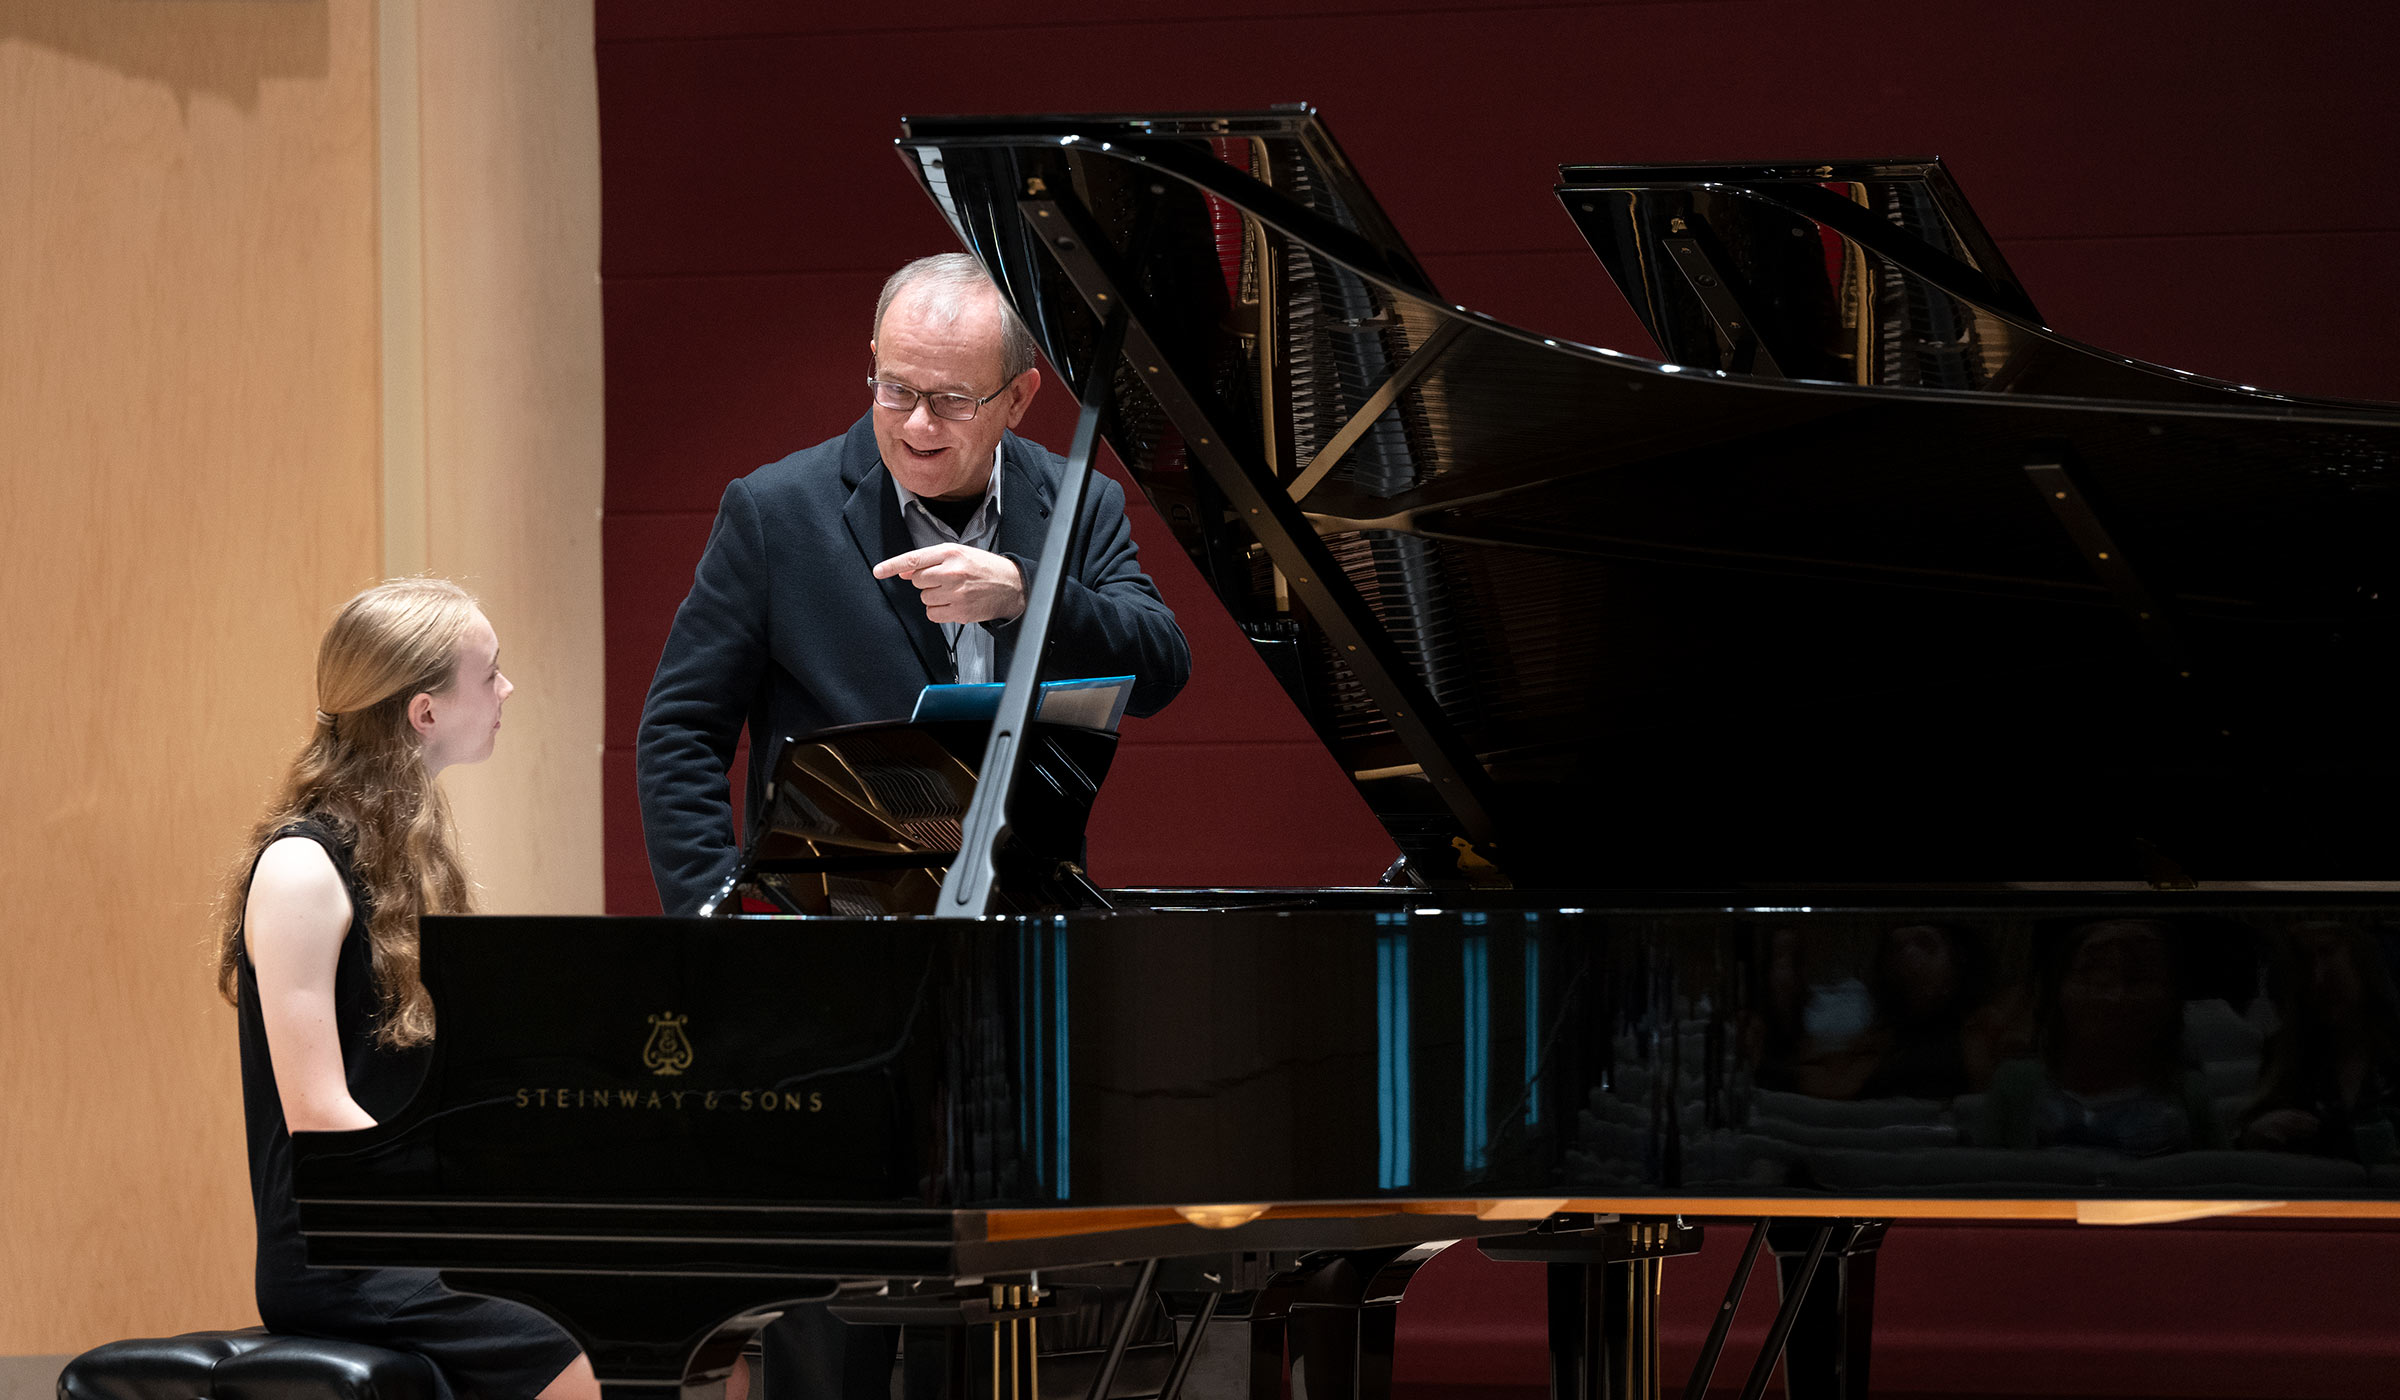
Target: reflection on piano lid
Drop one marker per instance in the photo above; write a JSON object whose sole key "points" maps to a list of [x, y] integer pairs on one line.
{"points": [[1510, 1050], [1856, 272], [696, 1121], [1574, 617], [863, 819]]}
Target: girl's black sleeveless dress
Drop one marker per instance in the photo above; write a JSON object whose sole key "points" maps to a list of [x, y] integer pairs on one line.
{"points": [[485, 1347]]}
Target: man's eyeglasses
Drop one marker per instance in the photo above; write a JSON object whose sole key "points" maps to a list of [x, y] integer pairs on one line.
{"points": [[902, 399]]}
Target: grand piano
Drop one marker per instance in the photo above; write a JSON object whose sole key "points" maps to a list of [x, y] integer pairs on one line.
{"points": [[1884, 760]]}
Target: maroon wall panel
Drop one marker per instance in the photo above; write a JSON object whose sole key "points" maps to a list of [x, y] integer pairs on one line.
{"points": [[2207, 186], [2219, 1310]]}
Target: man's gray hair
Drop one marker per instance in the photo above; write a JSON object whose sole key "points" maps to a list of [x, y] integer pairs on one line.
{"points": [[948, 279]]}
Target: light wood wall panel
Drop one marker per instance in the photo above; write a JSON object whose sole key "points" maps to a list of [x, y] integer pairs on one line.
{"points": [[193, 368], [510, 192], [188, 487]]}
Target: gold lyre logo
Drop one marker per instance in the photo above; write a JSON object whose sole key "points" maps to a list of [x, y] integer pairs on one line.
{"points": [[669, 1050]]}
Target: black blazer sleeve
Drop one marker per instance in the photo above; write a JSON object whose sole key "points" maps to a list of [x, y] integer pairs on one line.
{"points": [[1110, 619], [708, 679]]}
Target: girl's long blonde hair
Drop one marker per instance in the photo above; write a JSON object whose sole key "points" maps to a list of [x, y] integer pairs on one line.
{"points": [[362, 772]]}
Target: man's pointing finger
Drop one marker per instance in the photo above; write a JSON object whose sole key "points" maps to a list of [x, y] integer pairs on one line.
{"points": [[906, 565]]}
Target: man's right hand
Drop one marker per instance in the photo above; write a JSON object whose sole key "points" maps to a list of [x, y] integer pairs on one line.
{"points": [[959, 583]]}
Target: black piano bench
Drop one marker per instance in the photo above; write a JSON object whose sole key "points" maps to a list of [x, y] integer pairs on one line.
{"points": [[251, 1365]]}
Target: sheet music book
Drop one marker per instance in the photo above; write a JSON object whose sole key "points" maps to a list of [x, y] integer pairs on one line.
{"points": [[1096, 702]]}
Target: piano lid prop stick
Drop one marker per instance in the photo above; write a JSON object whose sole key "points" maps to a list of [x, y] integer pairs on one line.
{"points": [[967, 888]]}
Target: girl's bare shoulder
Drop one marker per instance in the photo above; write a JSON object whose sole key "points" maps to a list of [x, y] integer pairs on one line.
{"points": [[295, 875]]}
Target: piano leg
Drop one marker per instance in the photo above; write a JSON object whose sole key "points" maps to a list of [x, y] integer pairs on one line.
{"points": [[643, 1345], [809, 1354], [1268, 1336], [1604, 1284], [1323, 1330], [1826, 1356]]}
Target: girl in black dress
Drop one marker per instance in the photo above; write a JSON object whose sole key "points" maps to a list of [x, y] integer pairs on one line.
{"points": [[317, 950]]}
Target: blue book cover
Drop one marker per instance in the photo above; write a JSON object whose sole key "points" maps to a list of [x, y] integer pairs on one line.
{"points": [[1096, 702]]}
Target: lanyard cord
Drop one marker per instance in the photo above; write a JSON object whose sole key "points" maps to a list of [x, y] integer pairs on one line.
{"points": [[951, 630]]}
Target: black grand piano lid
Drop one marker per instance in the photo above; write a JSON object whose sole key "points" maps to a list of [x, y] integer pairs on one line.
{"points": [[1860, 272], [1707, 627]]}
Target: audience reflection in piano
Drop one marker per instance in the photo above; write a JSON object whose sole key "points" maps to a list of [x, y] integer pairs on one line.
{"points": [[2331, 1079], [1924, 1023], [2131, 1037]]}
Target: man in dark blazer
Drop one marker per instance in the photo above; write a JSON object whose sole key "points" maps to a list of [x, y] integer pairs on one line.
{"points": [[840, 581]]}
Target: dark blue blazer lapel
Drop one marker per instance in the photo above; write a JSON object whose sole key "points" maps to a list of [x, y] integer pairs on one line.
{"points": [[1026, 494], [873, 515], [1025, 497]]}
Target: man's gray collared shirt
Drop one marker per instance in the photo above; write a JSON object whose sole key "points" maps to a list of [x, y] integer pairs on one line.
{"points": [[971, 644]]}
